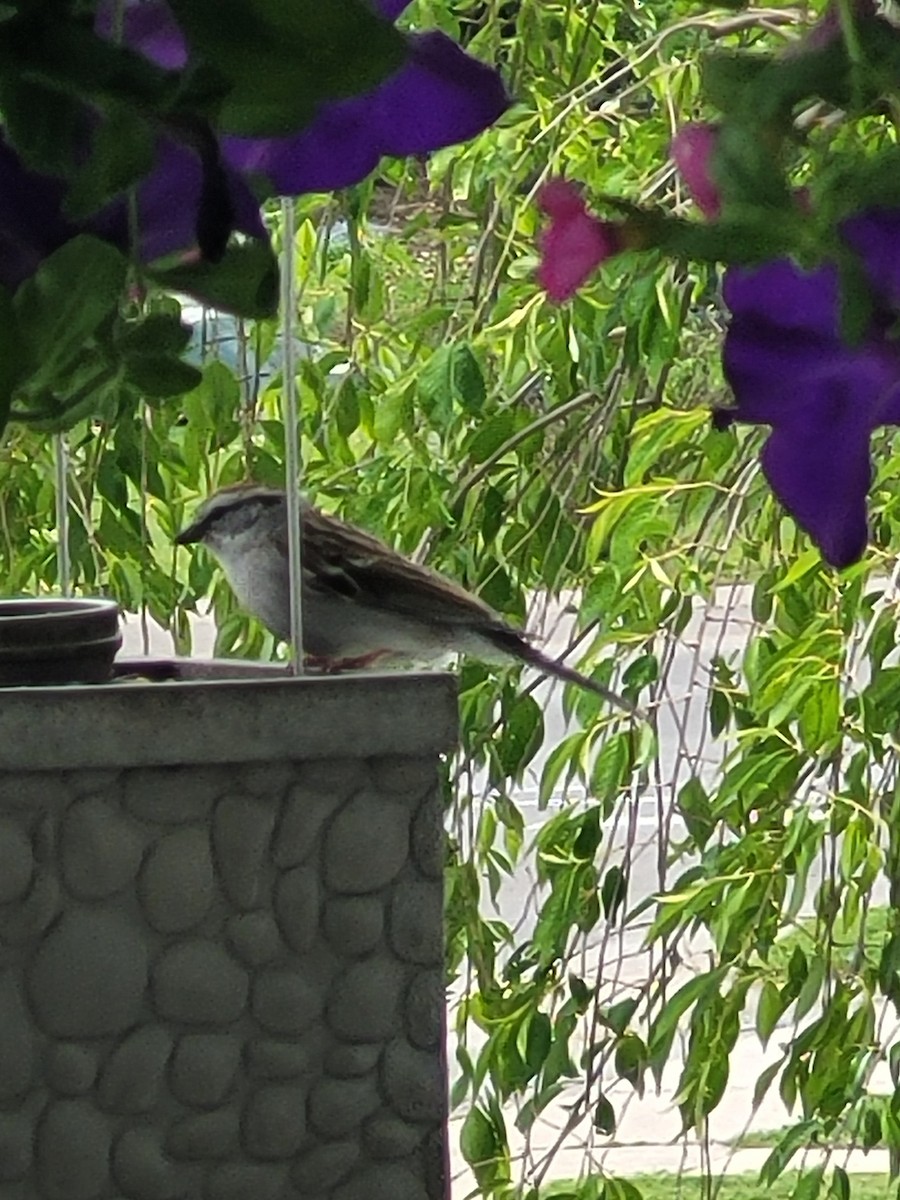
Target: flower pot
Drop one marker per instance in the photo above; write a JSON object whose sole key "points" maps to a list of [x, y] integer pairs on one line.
{"points": [[57, 640], [221, 970]]}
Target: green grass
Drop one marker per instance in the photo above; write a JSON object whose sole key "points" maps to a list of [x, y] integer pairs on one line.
{"points": [[765, 1138], [733, 1187], [757, 1139], [808, 936]]}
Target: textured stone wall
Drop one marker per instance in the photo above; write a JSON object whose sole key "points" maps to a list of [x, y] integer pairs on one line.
{"points": [[222, 982]]}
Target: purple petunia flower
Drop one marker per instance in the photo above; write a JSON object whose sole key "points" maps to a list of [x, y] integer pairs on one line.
{"points": [[33, 224], [439, 97], [790, 368]]}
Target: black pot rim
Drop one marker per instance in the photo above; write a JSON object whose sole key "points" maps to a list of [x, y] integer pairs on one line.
{"points": [[31, 608], [57, 639]]}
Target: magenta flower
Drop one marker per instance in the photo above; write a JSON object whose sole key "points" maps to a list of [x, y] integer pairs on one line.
{"points": [[575, 242], [790, 368], [692, 150], [828, 28]]}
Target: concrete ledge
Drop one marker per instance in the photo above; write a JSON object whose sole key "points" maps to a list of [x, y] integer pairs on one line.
{"points": [[221, 933], [221, 720]]}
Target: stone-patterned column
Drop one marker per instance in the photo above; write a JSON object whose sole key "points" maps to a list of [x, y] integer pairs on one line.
{"points": [[221, 940]]}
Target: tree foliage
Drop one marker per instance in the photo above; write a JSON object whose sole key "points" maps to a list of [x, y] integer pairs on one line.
{"points": [[535, 452]]}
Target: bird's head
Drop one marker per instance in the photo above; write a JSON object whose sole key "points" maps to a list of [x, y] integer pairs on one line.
{"points": [[232, 514]]}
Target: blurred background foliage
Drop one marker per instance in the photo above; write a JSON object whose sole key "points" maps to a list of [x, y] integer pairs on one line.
{"points": [[561, 463]]}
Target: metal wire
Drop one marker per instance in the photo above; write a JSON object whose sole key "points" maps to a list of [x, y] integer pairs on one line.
{"points": [[61, 465], [290, 418]]}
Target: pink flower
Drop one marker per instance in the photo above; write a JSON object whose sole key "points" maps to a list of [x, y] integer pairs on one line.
{"points": [[828, 28], [692, 149], [575, 242]]}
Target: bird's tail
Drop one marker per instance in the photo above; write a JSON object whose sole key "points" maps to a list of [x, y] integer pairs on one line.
{"points": [[516, 645]]}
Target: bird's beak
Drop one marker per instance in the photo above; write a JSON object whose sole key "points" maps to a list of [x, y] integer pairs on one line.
{"points": [[192, 533]]}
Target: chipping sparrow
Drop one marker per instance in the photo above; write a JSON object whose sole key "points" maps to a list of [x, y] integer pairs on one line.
{"points": [[362, 602]]}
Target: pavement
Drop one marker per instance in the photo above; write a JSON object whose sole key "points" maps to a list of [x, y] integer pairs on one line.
{"points": [[648, 1133]]}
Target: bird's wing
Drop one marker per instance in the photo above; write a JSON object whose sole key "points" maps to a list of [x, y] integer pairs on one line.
{"points": [[342, 560], [346, 562]]}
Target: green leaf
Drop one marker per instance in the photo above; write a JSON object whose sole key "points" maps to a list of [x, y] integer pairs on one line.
{"points": [[764, 1082], [111, 484], [641, 673], [811, 987], [719, 712], [479, 1143], [283, 60], [121, 153], [452, 374], [695, 808], [521, 737], [491, 436], [749, 175], [762, 599], [768, 98], [882, 639], [67, 58], [581, 993], [798, 970], [361, 279], [214, 403], [156, 334], [614, 891], [612, 770], [590, 835], [244, 281], [820, 716], [538, 1042], [798, 570], [620, 1189], [840, 1184], [809, 1184], [104, 398], [604, 1117], [663, 1029], [725, 75], [656, 435], [752, 239], [871, 1128], [794, 1139], [42, 125], [159, 377], [618, 1016], [64, 303], [631, 1061], [346, 407], [468, 380], [769, 1010], [563, 757], [392, 412], [602, 597], [894, 1065]]}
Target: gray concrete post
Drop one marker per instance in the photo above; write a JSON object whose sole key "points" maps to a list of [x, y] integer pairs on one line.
{"points": [[221, 947]]}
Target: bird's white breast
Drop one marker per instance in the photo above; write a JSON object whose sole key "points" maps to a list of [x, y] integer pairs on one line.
{"points": [[258, 575]]}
